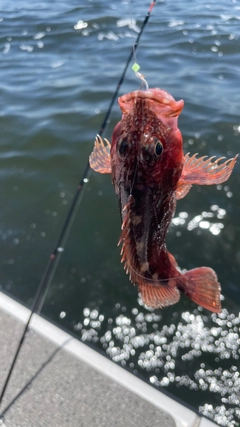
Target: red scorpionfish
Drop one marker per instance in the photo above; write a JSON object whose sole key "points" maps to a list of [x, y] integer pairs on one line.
{"points": [[150, 173]]}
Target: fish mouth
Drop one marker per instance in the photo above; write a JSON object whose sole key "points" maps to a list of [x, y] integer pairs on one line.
{"points": [[163, 101]]}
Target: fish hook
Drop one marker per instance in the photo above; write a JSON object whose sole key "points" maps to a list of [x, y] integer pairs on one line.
{"points": [[136, 68]]}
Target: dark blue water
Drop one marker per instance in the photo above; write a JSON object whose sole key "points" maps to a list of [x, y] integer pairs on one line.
{"points": [[60, 63]]}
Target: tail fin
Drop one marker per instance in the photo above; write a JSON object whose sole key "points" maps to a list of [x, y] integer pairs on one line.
{"points": [[201, 286]]}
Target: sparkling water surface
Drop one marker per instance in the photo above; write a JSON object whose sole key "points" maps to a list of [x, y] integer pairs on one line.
{"points": [[60, 64]]}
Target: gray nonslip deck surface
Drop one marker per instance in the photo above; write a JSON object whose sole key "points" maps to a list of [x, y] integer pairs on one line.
{"points": [[55, 383]]}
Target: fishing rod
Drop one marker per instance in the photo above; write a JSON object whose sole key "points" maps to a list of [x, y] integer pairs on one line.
{"points": [[55, 256]]}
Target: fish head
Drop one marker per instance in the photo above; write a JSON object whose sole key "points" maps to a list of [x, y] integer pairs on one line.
{"points": [[146, 149]]}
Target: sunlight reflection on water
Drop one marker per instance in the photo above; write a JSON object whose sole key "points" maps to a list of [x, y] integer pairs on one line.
{"points": [[200, 220], [142, 344]]}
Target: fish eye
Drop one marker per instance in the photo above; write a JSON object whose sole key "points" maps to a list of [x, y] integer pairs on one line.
{"points": [[122, 146], [158, 147]]}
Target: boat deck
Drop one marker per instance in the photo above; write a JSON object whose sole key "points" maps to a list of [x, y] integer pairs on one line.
{"points": [[59, 381]]}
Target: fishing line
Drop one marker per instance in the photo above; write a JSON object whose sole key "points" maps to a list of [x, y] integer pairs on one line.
{"points": [[53, 261], [155, 281], [136, 66], [132, 22]]}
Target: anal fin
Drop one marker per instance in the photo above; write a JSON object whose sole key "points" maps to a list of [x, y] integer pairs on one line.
{"points": [[158, 296]]}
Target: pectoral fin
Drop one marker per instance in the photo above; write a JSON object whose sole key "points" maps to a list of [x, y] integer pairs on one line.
{"points": [[100, 160], [205, 171], [182, 189]]}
